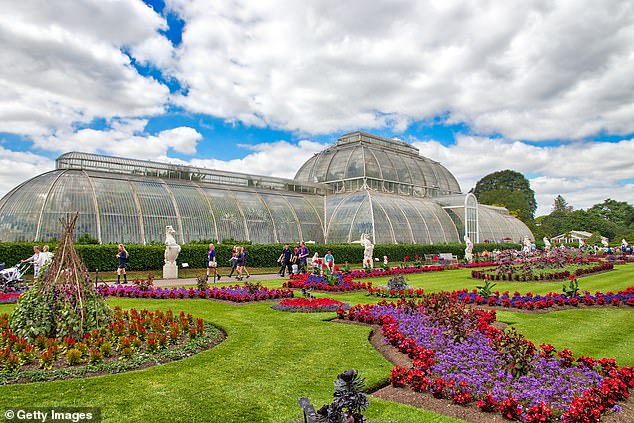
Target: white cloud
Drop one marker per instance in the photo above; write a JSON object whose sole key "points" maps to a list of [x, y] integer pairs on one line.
{"points": [[544, 70], [280, 158], [17, 167], [125, 138], [62, 63], [583, 173]]}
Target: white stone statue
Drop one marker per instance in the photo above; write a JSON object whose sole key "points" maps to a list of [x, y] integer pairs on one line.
{"points": [[604, 242], [624, 243], [581, 243], [368, 251], [468, 251], [172, 249], [527, 245], [547, 244]]}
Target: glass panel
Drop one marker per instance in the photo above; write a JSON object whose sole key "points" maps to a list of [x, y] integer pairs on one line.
{"points": [[362, 223], [119, 215], [355, 164], [400, 226], [228, 217], [321, 168], [21, 211], [420, 230], [372, 169], [70, 193], [196, 217], [340, 217], [157, 209], [309, 220], [387, 168], [338, 165], [417, 176], [284, 218], [382, 229], [257, 216]]}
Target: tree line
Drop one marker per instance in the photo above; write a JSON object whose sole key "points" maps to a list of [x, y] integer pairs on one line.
{"points": [[507, 188]]}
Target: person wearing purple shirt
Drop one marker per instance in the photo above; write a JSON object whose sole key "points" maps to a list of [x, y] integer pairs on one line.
{"points": [[303, 256], [212, 263]]}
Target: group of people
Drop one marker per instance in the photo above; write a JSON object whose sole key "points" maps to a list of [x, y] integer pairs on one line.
{"points": [[238, 262], [296, 260], [39, 259]]}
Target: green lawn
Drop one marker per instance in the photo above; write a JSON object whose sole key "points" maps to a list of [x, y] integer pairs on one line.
{"points": [[272, 358]]}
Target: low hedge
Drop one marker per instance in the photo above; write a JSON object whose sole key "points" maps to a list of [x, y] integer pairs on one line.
{"points": [[150, 257]]}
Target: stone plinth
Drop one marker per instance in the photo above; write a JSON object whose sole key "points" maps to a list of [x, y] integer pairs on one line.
{"points": [[170, 271]]}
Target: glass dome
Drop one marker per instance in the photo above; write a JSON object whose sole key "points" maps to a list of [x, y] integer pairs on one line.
{"points": [[383, 164]]}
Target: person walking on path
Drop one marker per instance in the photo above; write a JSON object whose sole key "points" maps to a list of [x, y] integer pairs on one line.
{"points": [[212, 263], [241, 260], [303, 256], [122, 256], [285, 260], [295, 260], [234, 259], [34, 260]]}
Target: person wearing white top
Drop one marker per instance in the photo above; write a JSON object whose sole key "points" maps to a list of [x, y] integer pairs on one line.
{"points": [[45, 257], [34, 260]]}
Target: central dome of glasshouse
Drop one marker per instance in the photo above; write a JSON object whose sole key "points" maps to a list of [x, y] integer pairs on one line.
{"points": [[364, 184]]}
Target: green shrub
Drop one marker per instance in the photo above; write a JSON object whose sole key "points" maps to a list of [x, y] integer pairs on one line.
{"points": [[73, 357], [151, 257]]}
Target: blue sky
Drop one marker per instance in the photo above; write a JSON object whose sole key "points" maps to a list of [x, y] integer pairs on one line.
{"points": [[240, 86]]}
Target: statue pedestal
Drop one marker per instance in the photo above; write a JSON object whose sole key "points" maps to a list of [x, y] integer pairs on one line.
{"points": [[170, 271]]}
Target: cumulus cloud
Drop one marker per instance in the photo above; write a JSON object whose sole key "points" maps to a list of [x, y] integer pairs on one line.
{"points": [[583, 173], [125, 138], [63, 62], [17, 166], [280, 158], [541, 71]]}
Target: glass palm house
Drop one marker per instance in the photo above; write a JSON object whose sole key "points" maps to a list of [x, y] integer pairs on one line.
{"points": [[361, 184]]}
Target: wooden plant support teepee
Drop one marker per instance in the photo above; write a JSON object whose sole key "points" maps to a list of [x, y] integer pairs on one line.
{"points": [[63, 301]]}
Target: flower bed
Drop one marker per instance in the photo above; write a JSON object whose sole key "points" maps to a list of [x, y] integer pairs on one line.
{"points": [[544, 276], [9, 298], [528, 301], [235, 293], [378, 273], [459, 356], [131, 339], [384, 292], [531, 301], [310, 305], [339, 282]]}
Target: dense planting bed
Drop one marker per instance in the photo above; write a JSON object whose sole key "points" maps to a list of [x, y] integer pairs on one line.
{"points": [[310, 305], [234, 293], [132, 339], [458, 355]]}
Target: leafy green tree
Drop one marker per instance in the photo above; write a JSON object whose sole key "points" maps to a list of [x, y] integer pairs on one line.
{"points": [[618, 212], [510, 189], [561, 205]]}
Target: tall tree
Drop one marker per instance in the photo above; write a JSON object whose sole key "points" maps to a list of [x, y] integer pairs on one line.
{"points": [[509, 188], [561, 205]]}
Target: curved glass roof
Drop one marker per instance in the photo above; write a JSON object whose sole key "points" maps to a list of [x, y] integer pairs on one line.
{"points": [[387, 218], [386, 165], [136, 209]]}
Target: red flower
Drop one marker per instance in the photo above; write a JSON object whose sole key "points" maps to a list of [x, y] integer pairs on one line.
{"points": [[572, 277]]}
